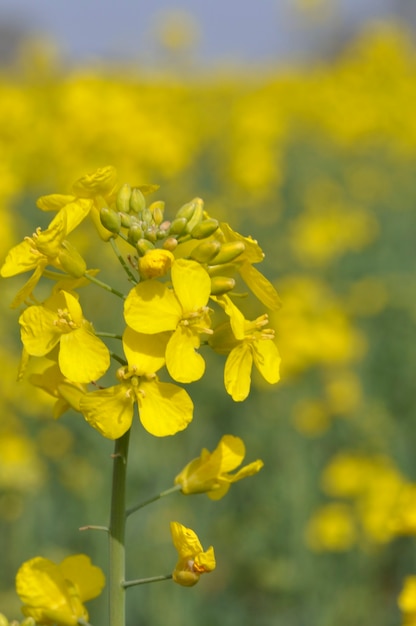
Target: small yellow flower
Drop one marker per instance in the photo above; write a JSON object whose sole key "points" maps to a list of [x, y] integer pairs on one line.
{"points": [[164, 408], [83, 357], [193, 561], [55, 594], [245, 342], [152, 307], [43, 248], [209, 472], [407, 601]]}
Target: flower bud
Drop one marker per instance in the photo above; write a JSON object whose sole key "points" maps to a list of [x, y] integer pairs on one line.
{"points": [[186, 211], [71, 260], [151, 234], [157, 209], [125, 220], [110, 219], [178, 225], [134, 233], [229, 251], [137, 200], [170, 244], [147, 216], [143, 246], [123, 198], [197, 216], [204, 229], [155, 263], [205, 251], [221, 284]]}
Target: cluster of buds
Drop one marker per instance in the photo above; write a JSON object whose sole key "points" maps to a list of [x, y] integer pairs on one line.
{"points": [[145, 229]]}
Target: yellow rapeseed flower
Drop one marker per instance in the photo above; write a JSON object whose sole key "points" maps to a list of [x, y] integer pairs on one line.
{"points": [[193, 561], [55, 594], [83, 357], [209, 472], [164, 408], [152, 307], [245, 342]]}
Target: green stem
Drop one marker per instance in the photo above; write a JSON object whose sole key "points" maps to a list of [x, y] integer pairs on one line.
{"points": [[117, 532], [93, 527], [143, 581], [109, 335], [104, 286], [126, 268], [167, 492]]}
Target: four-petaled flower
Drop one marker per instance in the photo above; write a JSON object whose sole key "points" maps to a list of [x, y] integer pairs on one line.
{"points": [[193, 561], [83, 357], [152, 307], [245, 342], [55, 594], [209, 472], [164, 408]]}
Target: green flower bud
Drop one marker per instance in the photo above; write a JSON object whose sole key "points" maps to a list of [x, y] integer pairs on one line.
{"points": [[197, 216], [229, 251], [157, 208], [143, 246], [134, 233], [204, 229], [170, 244], [137, 200], [221, 284], [186, 211], [71, 260], [205, 251], [125, 220], [178, 226], [123, 199], [110, 219], [151, 234], [147, 216]]}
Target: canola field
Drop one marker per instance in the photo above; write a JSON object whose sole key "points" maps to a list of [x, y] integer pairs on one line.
{"points": [[318, 163]]}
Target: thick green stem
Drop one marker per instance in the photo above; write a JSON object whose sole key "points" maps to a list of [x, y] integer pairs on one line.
{"points": [[117, 532]]}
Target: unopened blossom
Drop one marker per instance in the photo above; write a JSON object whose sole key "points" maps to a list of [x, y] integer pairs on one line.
{"points": [[193, 560], [83, 357], [209, 473], [152, 307], [246, 342], [54, 594], [164, 408], [155, 263]]}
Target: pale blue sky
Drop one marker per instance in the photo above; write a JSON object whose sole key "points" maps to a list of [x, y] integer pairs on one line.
{"points": [[241, 30]]}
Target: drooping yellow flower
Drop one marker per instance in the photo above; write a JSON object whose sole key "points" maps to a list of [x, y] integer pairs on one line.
{"points": [[245, 342], [83, 357], [164, 408], [209, 472], [44, 248], [152, 307], [193, 561], [55, 594]]}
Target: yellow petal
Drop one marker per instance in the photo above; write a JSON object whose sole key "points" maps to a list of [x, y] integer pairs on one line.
{"points": [[146, 353], [83, 357], [205, 561], [183, 363], [152, 308], [110, 411], [252, 253], [267, 360], [26, 291], [53, 201], [260, 286], [237, 372], [38, 332], [164, 408], [89, 579], [185, 540], [21, 258], [237, 319], [191, 283]]}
